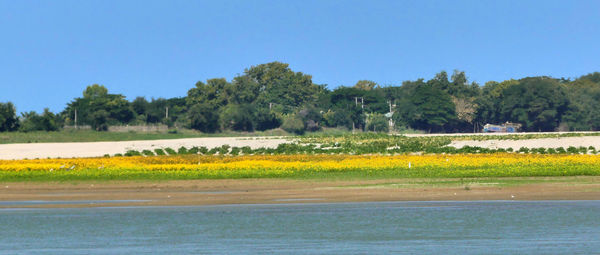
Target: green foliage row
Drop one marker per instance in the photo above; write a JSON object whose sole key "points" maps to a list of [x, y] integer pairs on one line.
{"points": [[395, 146]]}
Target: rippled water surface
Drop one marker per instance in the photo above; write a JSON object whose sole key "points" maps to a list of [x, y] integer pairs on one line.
{"points": [[486, 227]]}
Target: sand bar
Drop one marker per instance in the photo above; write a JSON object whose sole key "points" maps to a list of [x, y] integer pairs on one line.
{"points": [[273, 191]]}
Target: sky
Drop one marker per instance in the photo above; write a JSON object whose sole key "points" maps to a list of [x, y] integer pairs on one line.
{"points": [[51, 50]]}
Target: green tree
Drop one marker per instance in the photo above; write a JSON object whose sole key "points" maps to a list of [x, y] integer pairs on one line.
{"points": [[116, 110], [238, 117], [280, 86], [378, 123], [204, 103], [537, 103], [365, 85], [8, 117], [428, 108], [32, 121], [203, 117], [293, 124]]}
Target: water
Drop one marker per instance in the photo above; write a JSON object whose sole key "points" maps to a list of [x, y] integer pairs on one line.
{"points": [[486, 227]]}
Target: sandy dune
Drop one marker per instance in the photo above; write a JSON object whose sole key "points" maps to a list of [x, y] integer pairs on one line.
{"points": [[98, 149]]}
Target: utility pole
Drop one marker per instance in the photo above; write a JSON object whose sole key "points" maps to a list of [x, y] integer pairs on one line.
{"points": [[75, 118], [167, 113]]}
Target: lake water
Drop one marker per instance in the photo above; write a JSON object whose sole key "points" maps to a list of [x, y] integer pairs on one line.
{"points": [[483, 227]]}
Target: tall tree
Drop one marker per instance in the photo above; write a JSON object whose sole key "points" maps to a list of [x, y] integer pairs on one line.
{"points": [[8, 117], [537, 103], [99, 108]]}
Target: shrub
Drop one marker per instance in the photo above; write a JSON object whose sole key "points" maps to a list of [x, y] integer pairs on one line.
{"points": [[293, 124], [182, 150], [203, 150], [130, 153], [246, 150], [224, 149], [148, 153], [378, 123], [193, 150], [572, 150], [170, 151], [160, 152]]}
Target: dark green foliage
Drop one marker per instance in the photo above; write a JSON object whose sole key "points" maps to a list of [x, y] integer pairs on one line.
{"points": [[238, 117], [182, 150], [235, 151], [170, 151], [159, 152], [204, 118], [130, 153], [537, 103], [32, 121], [246, 150], [266, 119], [8, 117], [98, 108], [428, 108], [148, 153], [378, 123], [193, 150]]}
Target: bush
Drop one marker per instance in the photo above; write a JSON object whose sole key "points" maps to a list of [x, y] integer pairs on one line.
{"points": [[130, 153], [193, 150], [203, 150], [182, 150], [160, 152], [170, 151], [148, 152], [293, 124], [572, 150], [378, 123], [246, 150]]}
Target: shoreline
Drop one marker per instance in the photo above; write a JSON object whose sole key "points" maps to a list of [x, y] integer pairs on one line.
{"points": [[286, 191]]}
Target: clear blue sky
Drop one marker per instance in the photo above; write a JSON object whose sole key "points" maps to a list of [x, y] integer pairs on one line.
{"points": [[51, 50]]}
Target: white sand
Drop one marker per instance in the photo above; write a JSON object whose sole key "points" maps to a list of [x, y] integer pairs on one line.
{"points": [[564, 142], [98, 149]]}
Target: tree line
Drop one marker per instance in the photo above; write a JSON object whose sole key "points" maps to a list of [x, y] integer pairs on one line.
{"points": [[271, 95]]}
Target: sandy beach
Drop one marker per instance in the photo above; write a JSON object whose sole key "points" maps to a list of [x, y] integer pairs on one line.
{"points": [[99, 149], [269, 191]]}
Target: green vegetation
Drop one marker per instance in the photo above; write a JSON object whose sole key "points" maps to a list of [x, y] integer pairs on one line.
{"points": [[361, 144], [271, 95]]}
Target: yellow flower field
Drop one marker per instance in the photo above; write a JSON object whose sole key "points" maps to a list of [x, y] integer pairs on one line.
{"points": [[300, 166]]}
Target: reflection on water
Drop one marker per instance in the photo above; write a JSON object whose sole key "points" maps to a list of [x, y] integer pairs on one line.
{"points": [[482, 227]]}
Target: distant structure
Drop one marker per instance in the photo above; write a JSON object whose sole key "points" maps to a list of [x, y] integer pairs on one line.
{"points": [[507, 127]]}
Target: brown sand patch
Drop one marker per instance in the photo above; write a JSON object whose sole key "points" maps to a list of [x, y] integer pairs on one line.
{"points": [[267, 191]]}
